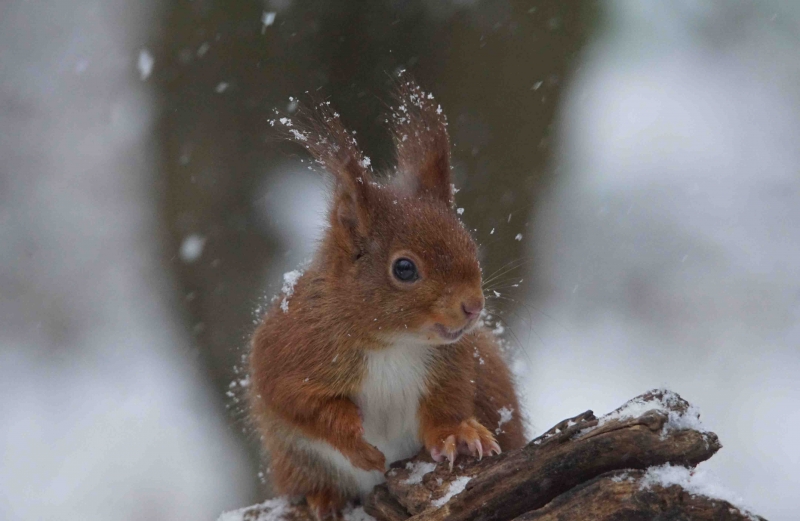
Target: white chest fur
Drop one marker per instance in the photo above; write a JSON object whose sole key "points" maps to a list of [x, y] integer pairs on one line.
{"points": [[393, 384], [389, 400]]}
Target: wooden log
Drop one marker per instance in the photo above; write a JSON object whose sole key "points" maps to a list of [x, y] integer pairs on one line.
{"points": [[381, 505], [576, 451], [582, 468], [619, 495], [416, 495]]}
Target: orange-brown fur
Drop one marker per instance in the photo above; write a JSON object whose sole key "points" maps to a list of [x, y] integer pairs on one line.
{"points": [[308, 362]]}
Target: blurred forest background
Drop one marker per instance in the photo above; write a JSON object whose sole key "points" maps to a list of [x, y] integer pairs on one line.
{"points": [[634, 164]]}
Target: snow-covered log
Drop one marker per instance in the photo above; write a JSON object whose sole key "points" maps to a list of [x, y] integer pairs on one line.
{"points": [[637, 462]]}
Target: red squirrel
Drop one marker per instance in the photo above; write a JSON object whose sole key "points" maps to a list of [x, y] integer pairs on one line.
{"points": [[378, 349]]}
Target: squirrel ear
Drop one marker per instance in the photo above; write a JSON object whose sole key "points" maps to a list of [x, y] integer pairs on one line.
{"points": [[422, 143], [351, 201], [321, 132]]}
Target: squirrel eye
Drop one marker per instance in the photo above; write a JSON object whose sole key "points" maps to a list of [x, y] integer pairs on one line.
{"points": [[405, 270]]}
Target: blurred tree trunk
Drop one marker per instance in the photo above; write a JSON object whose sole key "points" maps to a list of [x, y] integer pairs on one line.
{"points": [[102, 414]]}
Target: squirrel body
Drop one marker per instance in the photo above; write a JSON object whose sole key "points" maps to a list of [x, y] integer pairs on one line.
{"points": [[378, 351]]}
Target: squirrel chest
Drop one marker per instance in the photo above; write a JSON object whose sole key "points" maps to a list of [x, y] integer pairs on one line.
{"points": [[395, 378], [394, 381]]}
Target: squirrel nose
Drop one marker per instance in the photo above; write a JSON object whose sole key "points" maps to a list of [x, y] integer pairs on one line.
{"points": [[472, 308]]}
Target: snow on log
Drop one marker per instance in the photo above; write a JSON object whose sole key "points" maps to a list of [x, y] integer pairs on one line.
{"points": [[621, 495]]}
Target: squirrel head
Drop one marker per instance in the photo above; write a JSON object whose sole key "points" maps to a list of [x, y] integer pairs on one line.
{"points": [[395, 253]]}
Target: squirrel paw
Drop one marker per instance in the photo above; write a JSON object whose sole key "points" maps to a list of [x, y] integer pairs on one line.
{"points": [[325, 505], [469, 438], [367, 457]]}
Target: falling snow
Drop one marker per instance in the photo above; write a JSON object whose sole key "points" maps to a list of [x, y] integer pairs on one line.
{"points": [[267, 19], [145, 64], [192, 247]]}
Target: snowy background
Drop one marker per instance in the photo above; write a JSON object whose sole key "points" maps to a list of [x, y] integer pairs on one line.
{"points": [[644, 153], [668, 249]]}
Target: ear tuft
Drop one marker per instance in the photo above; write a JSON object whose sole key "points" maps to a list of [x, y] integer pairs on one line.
{"points": [[320, 131], [422, 143]]}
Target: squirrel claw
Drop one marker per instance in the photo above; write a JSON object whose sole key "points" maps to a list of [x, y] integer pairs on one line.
{"points": [[446, 451], [494, 447], [450, 450], [469, 438], [476, 447]]}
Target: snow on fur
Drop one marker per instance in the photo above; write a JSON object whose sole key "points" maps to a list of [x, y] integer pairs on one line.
{"points": [[289, 280]]}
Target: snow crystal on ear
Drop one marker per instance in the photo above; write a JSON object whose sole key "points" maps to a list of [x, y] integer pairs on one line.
{"points": [[456, 487], [299, 135], [418, 471], [697, 482]]}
